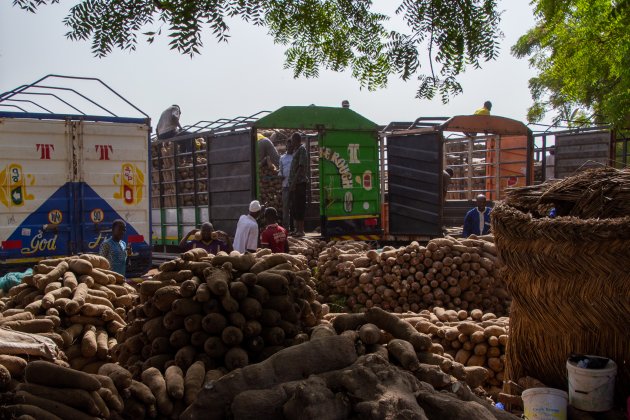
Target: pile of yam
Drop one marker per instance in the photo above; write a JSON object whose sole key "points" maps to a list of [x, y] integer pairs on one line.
{"points": [[473, 341], [51, 392], [271, 188], [378, 367], [225, 310], [312, 247], [447, 272], [76, 302]]}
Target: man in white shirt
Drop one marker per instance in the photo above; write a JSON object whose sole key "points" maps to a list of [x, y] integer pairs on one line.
{"points": [[285, 170], [246, 237]]}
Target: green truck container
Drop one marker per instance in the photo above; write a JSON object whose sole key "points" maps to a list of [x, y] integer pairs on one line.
{"points": [[347, 166]]}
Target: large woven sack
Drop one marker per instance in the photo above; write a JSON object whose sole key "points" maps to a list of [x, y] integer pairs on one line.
{"points": [[570, 284]]}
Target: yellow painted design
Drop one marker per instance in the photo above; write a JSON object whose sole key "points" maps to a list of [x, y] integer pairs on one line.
{"points": [[39, 243], [95, 245], [55, 217], [13, 185], [131, 182]]}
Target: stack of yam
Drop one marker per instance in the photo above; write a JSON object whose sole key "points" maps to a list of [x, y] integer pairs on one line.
{"points": [[450, 273], [76, 302], [226, 311]]}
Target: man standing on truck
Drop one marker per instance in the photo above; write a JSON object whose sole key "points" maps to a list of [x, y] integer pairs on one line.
{"points": [[246, 237], [274, 236], [477, 220], [285, 169], [298, 181], [267, 152], [168, 125], [114, 249], [208, 240]]}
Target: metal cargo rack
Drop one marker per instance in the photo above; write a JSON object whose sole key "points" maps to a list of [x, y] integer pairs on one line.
{"points": [[44, 99], [485, 163], [206, 172], [577, 148]]}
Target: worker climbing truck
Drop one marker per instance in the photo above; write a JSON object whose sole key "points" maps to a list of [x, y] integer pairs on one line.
{"points": [[69, 167]]}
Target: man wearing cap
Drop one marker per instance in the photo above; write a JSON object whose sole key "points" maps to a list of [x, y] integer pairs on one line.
{"points": [[246, 237]]}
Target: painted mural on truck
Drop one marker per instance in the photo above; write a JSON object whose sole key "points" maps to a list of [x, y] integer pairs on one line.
{"points": [[349, 175]]}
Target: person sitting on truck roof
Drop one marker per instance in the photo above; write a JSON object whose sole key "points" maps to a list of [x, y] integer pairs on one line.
{"points": [[485, 110], [267, 152], [298, 181], [168, 125], [477, 220], [208, 239], [115, 249], [246, 237], [274, 236]]}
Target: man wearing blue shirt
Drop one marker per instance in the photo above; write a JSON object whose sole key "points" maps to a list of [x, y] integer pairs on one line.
{"points": [[285, 170], [115, 249], [477, 220]]}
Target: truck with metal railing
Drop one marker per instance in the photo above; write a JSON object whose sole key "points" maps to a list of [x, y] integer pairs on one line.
{"points": [[367, 182], [211, 171], [487, 154], [69, 167]]}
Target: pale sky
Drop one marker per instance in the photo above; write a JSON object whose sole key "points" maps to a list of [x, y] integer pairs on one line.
{"points": [[246, 75]]}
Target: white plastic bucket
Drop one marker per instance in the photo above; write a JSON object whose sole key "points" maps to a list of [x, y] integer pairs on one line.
{"points": [[592, 389], [545, 404]]}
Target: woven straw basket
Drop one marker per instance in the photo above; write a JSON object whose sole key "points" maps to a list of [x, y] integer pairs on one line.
{"points": [[570, 284]]}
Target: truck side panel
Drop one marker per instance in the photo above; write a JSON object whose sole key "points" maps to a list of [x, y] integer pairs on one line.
{"points": [[114, 178], [579, 151], [230, 179], [35, 190], [62, 183], [415, 184]]}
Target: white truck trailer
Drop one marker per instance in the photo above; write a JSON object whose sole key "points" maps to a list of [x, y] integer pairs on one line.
{"points": [[66, 176]]}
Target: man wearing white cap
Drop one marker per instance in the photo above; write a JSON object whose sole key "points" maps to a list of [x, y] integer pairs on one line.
{"points": [[246, 237]]}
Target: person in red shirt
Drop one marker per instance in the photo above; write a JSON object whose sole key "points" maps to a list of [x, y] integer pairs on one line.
{"points": [[274, 236]]}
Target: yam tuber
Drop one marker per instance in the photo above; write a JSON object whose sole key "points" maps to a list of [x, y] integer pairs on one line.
{"points": [[156, 383], [174, 382], [50, 374], [193, 381]]}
